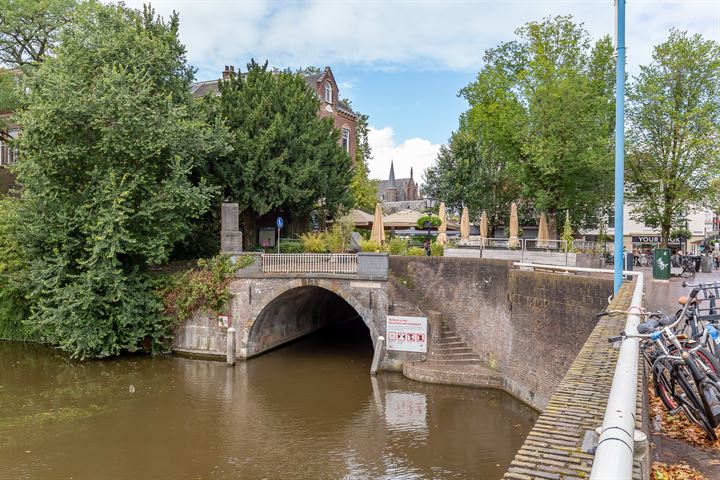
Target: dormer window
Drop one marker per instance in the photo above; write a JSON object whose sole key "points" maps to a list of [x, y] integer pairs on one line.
{"points": [[328, 92]]}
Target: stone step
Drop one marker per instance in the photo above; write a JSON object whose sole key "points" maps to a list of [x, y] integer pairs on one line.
{"points": [[444, 345], [458, 355], [458, 361], [451, 338], [458, 349], [466, 374]]}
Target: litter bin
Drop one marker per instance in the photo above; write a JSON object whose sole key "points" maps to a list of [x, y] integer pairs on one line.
{"points": [[706, 263], [661, 264]]}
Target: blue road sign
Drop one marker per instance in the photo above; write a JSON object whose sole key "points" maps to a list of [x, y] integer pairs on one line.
{"points": [[279, 222]]}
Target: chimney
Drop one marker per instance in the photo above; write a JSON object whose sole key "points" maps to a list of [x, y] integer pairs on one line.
{"points": [[226, 73]]}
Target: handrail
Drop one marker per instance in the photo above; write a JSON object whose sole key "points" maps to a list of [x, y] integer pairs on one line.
{"points": [[329, 263], [616, 445]]}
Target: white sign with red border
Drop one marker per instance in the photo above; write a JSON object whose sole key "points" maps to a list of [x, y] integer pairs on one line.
{"points": [[407, 334]]}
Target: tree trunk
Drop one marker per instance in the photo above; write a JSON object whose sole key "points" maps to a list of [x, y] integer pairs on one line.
{"points": [[664, 235], [552, 226], [249, 229]]}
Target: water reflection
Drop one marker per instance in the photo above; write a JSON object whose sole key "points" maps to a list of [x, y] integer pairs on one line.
{"points": [[306, 411]]}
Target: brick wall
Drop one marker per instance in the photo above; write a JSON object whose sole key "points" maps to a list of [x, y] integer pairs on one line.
{"points": [[528, 325]]}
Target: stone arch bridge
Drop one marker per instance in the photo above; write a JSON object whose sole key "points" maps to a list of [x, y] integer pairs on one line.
{"points": [[274, 302]]}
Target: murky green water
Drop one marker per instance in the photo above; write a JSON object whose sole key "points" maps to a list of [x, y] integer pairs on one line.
{"points": [[306, 411]]}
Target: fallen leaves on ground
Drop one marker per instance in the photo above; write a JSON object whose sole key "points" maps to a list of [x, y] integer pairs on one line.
{"points": [[679, 426], [677, 471]]}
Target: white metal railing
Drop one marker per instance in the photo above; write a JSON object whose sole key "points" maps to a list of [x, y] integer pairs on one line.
{"points": [[332, 263], [616, 445]]}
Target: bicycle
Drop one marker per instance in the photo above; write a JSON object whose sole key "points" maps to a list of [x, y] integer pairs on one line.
{"points": [[685, 376], [688, 268]]}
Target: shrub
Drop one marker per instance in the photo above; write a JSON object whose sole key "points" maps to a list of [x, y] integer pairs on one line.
{"points": [[14, 308], [313, 242], [337, 240], [292, 246], [416, 252], [397, 246], [369, 246], [201, 288], [436, 250]]}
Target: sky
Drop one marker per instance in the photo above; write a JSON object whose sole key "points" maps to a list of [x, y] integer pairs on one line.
{"points": [[403, 62]]}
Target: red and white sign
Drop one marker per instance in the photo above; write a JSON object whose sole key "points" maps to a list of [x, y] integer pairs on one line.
{"points": [[407, 334]]}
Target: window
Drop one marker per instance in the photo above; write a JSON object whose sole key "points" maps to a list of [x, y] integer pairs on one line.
{"points": [[346, 139], [328, 92], [4, 153]]}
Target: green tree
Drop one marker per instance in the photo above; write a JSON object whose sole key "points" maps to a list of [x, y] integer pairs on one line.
{"points": [[544, 104], [363, 189], [110, 135], [471, 172], [284, 158], [674, 131], [29, 30]]}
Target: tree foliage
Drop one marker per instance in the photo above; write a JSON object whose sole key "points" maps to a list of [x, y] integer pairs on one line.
{"points": [[283, 157], [539, 126], [363, 189], [674, 135], [470, 171], [110, 135], [30, 29]]}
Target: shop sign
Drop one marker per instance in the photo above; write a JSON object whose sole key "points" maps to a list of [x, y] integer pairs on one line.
{"points": [[653, 239]]}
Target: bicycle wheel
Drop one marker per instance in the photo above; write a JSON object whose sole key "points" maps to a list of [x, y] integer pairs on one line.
{"points": [[677, 391]]}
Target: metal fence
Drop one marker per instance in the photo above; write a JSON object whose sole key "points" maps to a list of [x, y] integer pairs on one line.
{"points": [[515, 244], [332, 263]]}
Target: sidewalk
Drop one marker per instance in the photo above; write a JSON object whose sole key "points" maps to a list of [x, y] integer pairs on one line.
{"points": [[663, 296]]}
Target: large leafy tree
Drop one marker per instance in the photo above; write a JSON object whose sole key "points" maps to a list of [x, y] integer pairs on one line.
{"points": [[544, 103], [363, 189], [469, 171], [284, 158], [674, 132], [110, 135]]}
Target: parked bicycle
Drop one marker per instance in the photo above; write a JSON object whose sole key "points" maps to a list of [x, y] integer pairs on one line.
{"points": [[684, 365]]}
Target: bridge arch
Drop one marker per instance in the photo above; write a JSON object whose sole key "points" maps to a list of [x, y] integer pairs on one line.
{"points": [[300, 307]]}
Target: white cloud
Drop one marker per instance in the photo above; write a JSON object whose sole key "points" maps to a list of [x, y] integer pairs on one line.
{"points": [[417, 153], [445, 35]]}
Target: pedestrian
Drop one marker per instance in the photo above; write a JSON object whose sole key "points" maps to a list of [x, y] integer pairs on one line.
{"points": [[427, 247]]}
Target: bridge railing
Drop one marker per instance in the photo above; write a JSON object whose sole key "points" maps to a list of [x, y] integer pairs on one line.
{"points": [[330, 263]]}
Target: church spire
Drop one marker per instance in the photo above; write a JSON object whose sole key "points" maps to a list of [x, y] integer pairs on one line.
{"points": [[411, 174], [392, 175]]}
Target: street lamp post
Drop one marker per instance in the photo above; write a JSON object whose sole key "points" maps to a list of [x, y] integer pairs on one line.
{"points": [[619, 142]]}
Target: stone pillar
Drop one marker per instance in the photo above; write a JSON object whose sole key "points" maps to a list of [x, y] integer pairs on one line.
{"points": [[230, 234]]}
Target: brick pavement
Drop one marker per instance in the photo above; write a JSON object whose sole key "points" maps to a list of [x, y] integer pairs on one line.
{"points": [[553, 448]]}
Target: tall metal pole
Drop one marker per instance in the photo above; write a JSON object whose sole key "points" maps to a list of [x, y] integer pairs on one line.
{"points": [[619, 143]]}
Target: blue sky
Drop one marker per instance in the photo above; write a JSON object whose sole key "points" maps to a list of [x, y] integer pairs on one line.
{"points": [[402, 62]]}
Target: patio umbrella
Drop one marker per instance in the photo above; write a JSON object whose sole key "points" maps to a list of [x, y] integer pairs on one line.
{"points": [[442, 236], [378, 229], [465, 224], [483, 228], [543, 234], [514, 229]]}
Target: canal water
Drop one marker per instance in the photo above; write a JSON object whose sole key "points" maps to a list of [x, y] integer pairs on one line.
{"points": [[309, 410]]}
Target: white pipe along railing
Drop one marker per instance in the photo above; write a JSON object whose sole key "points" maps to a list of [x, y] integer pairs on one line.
{"points": [[616, 445]]}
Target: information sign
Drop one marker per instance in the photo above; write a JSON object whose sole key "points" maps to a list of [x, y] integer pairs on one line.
{"points": [[407, 334]]}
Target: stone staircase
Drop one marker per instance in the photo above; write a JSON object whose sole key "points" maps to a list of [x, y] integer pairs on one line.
{"points": [[450, 349], [449, 360]]}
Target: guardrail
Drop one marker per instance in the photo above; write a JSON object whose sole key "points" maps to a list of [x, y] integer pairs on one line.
{"points": [[330, 263], [516, 244], [616, 445]]}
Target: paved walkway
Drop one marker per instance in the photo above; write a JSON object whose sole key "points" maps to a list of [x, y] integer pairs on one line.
{"points": [[663, 295]]}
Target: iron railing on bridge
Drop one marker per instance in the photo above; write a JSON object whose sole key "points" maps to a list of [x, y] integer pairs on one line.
{"points": [[330, 263]]}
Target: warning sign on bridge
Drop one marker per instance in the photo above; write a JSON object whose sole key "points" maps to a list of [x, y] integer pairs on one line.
{"points": [[407, 334]]}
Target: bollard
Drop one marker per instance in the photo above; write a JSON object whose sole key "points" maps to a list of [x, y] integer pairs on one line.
{"points": [[231, 346], [376, 356]]}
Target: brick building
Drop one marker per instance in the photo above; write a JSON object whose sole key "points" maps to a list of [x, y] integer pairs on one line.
{"points": [[331, 105]]}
